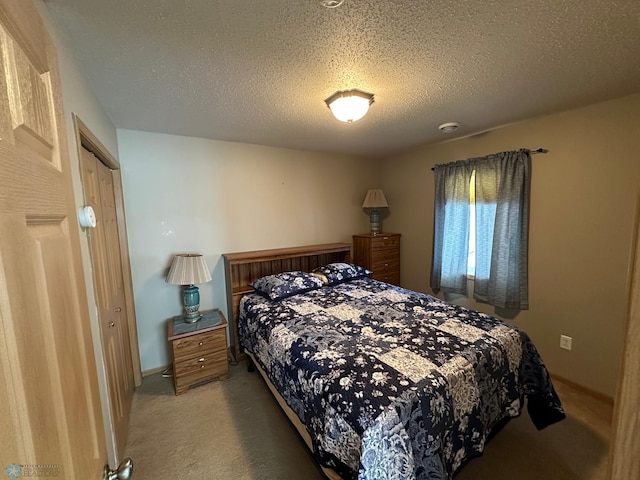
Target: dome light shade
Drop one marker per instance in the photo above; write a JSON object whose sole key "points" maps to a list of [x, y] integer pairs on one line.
{"points": [[349, 105]]}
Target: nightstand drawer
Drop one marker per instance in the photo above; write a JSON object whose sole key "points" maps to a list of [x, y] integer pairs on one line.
{"points": [[199, 350], [199, 344], [204, 364], [192, 372]]}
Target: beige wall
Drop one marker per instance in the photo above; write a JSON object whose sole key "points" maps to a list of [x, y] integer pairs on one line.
{"points": [[186, 194], [583, 200]]}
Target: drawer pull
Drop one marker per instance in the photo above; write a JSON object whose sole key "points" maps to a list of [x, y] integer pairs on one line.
{"points": [[202, 366], [201, 359], [200, 344]]}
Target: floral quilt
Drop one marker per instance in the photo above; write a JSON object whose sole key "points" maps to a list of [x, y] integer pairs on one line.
{"points": [[391, 383]]}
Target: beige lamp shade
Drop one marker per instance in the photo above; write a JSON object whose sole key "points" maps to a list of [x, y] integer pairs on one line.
{"points": [[375, 199], [188, 269]]}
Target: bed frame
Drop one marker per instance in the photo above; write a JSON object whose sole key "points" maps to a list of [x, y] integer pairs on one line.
{"points": [[243, 268]]}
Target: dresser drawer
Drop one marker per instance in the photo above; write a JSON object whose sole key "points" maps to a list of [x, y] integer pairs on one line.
{"points": [[392, 277], [387, 271], [383, 242], [391, 266], [199, 344], [385, 256], [380, 254]]}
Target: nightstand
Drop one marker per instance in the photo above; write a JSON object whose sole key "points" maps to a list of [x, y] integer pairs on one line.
{"points": [[199, 350], [379, 253]]}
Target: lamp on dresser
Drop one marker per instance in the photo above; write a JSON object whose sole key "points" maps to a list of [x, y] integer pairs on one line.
{"points": [[373, 201], [188, 270]]}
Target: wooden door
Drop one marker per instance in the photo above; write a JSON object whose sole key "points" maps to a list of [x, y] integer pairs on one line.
{"points": [[50, 413], [99, 192], [624, 461]]}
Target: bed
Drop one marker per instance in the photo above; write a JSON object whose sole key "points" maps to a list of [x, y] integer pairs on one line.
{"points": [[381, 382]]}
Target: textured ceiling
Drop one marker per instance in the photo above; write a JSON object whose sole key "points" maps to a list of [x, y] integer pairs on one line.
{"points": [[258, 71]]}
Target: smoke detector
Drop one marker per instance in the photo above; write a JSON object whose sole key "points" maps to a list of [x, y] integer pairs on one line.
{"points": [[449, 127], [331, 3]]}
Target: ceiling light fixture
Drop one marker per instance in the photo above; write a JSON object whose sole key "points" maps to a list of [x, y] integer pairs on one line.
{"points": [[449, 127], [349, 105]]}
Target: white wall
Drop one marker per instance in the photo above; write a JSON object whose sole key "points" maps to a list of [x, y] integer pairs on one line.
{"points": [[186, 194]]}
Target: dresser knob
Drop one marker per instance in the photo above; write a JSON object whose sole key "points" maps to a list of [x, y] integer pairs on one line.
{"points": [[111, 324], [118, 309], [200, 344], [201, 359], [202, 366]]}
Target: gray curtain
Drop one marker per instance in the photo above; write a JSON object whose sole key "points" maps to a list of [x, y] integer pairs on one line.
{"points": [[451, 228], [502, 217], [502, 221]]}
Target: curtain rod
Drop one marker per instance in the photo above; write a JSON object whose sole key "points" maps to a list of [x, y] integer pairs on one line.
{"points": [[532, 152]]}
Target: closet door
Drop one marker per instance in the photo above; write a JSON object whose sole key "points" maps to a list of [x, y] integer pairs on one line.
{"points": [[104, 243], [50, 412]]}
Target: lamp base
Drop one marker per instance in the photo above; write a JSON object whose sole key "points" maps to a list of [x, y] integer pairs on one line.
{"points": [[192, 318], [191, 298], [374, 218]]}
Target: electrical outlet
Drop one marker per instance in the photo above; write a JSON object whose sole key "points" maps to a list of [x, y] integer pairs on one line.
{"points": [[565, 342]]}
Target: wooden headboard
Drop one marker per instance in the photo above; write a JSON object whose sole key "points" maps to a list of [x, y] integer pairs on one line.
{"points": [[242, 268]]}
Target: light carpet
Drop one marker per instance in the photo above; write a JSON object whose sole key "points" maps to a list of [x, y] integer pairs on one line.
{"points": [[235, 430]]}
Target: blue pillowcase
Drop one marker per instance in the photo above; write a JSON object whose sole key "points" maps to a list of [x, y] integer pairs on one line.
{"points": [[285, 284], [342, 272]]}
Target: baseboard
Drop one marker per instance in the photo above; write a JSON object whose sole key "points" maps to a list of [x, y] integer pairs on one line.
{"points": [[582, 388], [153, 371]]}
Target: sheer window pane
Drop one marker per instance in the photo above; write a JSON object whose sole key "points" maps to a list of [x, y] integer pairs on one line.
{"points": [[471, 258]]}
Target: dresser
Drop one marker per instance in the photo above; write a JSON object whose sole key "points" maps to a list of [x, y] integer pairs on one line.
{"points": [[199, 350], [379, 253]]}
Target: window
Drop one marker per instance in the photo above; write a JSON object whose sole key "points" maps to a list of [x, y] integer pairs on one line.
{"points": [[481, 228], [471, 255]]}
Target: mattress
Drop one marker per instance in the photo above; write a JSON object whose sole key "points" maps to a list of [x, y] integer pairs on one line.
{"points": [[392, 383]]}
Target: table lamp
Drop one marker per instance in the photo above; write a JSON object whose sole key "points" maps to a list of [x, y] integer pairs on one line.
{"points": [[374, 200], [188, 269]]}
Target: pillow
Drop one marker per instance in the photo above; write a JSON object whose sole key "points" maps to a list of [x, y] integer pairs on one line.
{"points": [[322, 278], [341, 272], [285, 284]]}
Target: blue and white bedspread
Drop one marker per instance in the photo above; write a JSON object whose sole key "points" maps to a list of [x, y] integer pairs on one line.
{"points": [[391, 383]]}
